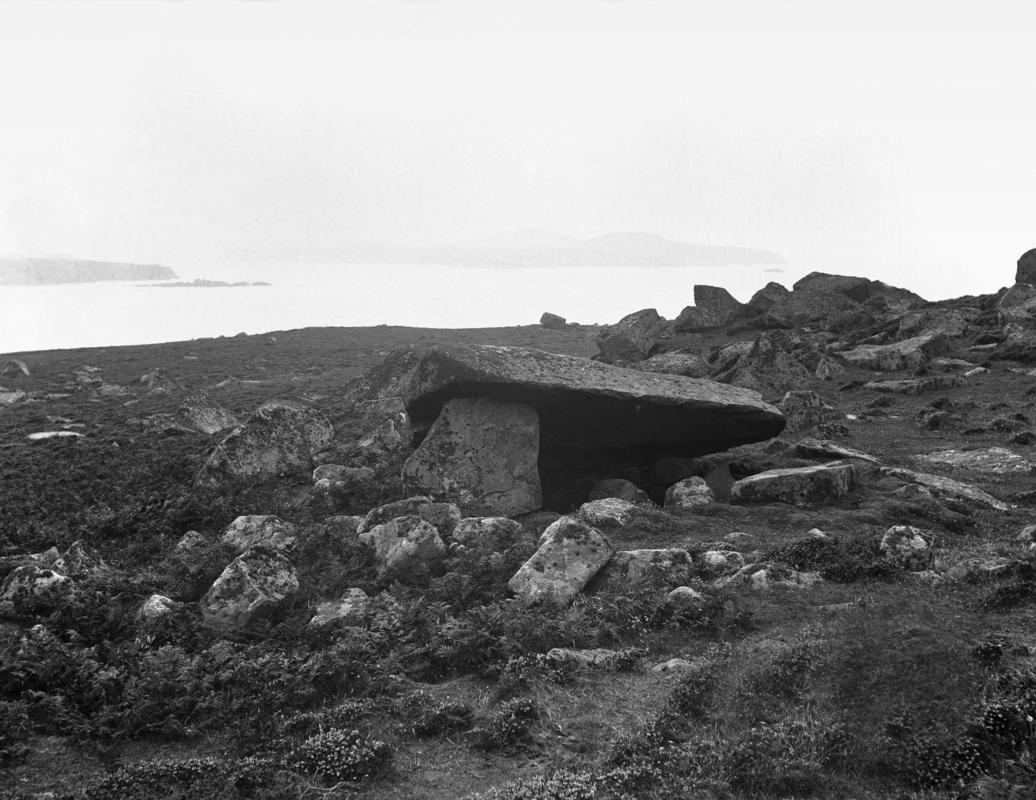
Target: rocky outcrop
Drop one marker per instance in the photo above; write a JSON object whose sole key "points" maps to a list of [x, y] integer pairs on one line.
{"points": [[713, 307], [482, 454], [907, 354], [804, 410], [571, 554], [763, 300], [797, 485], [948, 488], [250, 590], [1026, 272], [41, 271], [804, 307], [769, 365], [690, 365], [280, 438], [918, 385], [632, 337]]}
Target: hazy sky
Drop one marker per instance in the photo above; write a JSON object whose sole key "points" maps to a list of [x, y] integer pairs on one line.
{"points": [[893, 139]]}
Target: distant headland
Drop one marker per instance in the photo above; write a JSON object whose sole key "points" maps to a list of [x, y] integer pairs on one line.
{"points": [[44, 271]]}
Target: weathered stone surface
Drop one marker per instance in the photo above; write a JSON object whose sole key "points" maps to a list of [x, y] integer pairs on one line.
{"points": [[827, 367], [608, 513], [763, 300], [949, 488], [596, 658], [804, 409], [986, 568], [690, 365], [764, 576], [280, 438], [251, 589], [713, 307], [630, 568], [482, 454], [620, 488], [721, 562], [488, 535], [351, 609], [552, 321], [825, 448], [804, 306], [80, 560], [918, 385], [769, 366], [259, 530], [689, 493], [1026, 272], [860, 290], [442, 516], [991, 460], [585, 407], [201, 413], [632, 337], [406, 548], [907, 354], [798, 486], [908, 547], [156, 607], [36, 586], [10, 398], [684, 597], [953, 322], [570, 556]]}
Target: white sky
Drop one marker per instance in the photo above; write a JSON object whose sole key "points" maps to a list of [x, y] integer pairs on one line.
{"points": [[890, 139]]}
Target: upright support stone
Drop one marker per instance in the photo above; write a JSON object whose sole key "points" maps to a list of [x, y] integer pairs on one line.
{"points": [[482, 454]]}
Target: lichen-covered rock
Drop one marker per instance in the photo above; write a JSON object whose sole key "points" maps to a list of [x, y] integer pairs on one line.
{"points": [[906, 354], [689, 365], [571, 554], [991, 460], [201, 413], [350, 609], [34, 587], [442, 516], [916, 386], [713, 307], [250, 590], [608, 513], [803, 307], [618, 488], [690, 493], [986, 568], [631, 568], [279, 439], [908, 547], [260, 530], [79, 560], [482, 454], [804, 410], [408, 549], [156, 607], [797, 486], [948, 488], [632, 337], [721, 562], [488, 535], [595, 658], [765, 576], [763, 300]]}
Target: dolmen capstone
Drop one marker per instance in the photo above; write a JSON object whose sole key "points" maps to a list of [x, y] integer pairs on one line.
{"points": [[501, 430]]}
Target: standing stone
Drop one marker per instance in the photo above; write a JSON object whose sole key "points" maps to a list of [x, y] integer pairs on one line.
{"points": [[252, 587], [632, 337], [571, 554], [481, 454], [1026, 268]]}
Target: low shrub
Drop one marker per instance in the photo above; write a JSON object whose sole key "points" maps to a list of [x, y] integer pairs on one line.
{"points": [[339, 755], [510, 726]]}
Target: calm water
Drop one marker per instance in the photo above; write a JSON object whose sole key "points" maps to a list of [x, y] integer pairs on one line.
{"points": [[47, 317]]}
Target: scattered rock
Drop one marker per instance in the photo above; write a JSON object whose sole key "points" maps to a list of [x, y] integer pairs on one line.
{"points": [[351, 609], [597, 658], [632, 337], [797, 485], [918, 385], [631, 568], [907, 354], [488, 535], [907, 547], [280, 438], [721, 562], [608, 513], [250, 590], [825, 448], [991, 460], [10, 398], [769, 366], [406, 548], [948, 488], [764, 576], [201, 413], [713, 307], [481, 454], [674, 664], [260, 530], [619, 488], [571, 554], [804, 410], [33, 588], [43, 436], [80, 560], [985, 568], [442, 516], [14, 365], [690, 493]]}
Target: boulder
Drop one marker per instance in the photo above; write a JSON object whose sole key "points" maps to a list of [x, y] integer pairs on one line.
{"points": [[629, 569], [907, 547], [156, 607], [552, 321], [721, 562], [914, 386], [763, 300], [860, 290], [685, 597], [674, 664], [608, 513], [907, 354], [986, 568], [250, 590], [769, 366], [201, 413], [948, 488], [632, 337], [596, 658], [827, 367], [31, 588], [804, 410], [797, 485], [260, 530], [690, 365], [350, 609], [571, 554], [803, 307], [79, 561], [488, 535], [442, 516], [690, 493], [826, 449], [280, 438], [14, 366], [991, 460], [1026, 272], [482, 454], [954, 322], [408, 549], [619, 488], [713, 307], [589, 412]]}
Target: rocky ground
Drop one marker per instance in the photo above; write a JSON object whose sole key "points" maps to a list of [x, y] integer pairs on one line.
{"points": [[304, 564]]}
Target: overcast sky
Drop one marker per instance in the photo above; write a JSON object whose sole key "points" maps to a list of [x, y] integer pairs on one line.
{"points": [[892, 139]]}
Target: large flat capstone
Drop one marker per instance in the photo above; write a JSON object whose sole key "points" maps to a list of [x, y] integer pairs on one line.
{"points": [[582, 405]]}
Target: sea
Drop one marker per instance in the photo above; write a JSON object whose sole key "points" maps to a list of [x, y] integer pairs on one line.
{"points": [[336, 294]]}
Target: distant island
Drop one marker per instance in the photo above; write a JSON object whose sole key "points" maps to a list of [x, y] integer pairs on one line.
{"points": [[204, 283], [44, 271], [539, 248]]}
